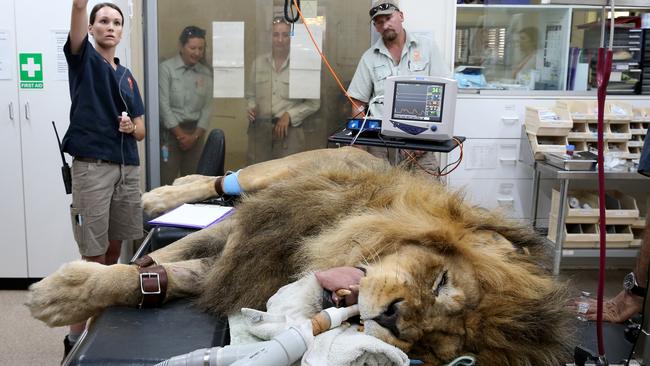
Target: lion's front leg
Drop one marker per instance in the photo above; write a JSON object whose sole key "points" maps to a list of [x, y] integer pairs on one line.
{"points": [[79, 290], [196, 188]]}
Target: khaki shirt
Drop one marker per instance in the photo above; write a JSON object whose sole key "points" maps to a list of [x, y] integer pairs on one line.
{"points": [[185, 93], [268, 90], [419, 57]]}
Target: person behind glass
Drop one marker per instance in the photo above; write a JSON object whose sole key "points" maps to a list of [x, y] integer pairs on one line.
{"points": [[185, 106], [106, 207], [629, 301], [397, 52], [275, 120], [524, 70]]}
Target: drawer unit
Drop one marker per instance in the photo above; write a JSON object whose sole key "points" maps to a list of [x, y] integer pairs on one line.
{"points": [[493, 117], [511, 196], [490, 159]]}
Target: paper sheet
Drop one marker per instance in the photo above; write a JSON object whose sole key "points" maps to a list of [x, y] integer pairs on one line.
{"points": [[193, 216], [228, 44], [481, 156], [229, 82], [228, 59], [60, 37], [6, 64], [304, 84], [305, 66]]}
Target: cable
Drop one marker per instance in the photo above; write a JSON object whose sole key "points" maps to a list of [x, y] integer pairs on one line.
{"points": [[355, 106], [440, 172], [288, 6], [365, 118]]}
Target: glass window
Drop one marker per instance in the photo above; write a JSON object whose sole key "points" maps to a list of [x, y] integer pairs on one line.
{"points": [[514, 48], [271, 99], [543, 47]]}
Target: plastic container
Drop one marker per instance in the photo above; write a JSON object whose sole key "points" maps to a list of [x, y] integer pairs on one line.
{"points": [[583, 305]]}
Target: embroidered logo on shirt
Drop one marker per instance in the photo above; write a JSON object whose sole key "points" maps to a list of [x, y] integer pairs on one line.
{"points": [[200, 83], [130, 83]]}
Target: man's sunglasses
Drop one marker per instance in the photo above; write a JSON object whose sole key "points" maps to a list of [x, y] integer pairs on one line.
{"points": [[381, 7]]}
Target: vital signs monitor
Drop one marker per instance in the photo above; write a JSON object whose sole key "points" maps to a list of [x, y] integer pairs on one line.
{"points": [[419, 107]]}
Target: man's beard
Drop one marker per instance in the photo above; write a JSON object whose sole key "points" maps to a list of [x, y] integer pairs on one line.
{"points": [[389, 35]]}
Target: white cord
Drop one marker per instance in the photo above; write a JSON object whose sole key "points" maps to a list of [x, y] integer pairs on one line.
{"points": [[365, 117], [119, 89]]}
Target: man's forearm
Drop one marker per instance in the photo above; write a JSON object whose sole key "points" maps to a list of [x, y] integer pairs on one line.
{"points": [[357, 107]]}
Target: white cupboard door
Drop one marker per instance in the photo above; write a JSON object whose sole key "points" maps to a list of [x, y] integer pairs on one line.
{"points": [[41, 26], [13, 261]]}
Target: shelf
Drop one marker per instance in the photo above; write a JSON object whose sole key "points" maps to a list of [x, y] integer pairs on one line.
{"points": [[595, 253], [549, 171], [618, 3]]}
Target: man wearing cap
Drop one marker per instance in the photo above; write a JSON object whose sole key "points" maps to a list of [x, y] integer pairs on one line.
{"points": [[397, 52]]}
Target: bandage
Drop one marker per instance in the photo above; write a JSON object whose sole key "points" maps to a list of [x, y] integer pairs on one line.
{"points": [[231, 184]]}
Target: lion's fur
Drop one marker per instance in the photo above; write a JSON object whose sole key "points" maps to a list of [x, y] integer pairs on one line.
{"points": [[443, 278], [340, 213]]}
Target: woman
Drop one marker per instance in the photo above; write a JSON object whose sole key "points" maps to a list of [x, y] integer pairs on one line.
{"points": [[105, 124], [185, 106], [523, 70]]}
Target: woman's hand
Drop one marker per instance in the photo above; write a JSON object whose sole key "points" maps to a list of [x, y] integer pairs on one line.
{"points": [[126, 125]]}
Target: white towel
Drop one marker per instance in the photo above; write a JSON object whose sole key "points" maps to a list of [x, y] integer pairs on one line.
{"points": [[294, 304]]}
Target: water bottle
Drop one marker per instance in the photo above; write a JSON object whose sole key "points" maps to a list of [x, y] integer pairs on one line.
{"points": [[164, 152], [583, 306]]}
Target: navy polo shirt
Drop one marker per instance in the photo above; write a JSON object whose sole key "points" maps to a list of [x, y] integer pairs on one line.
{"points": [[644, 162], [99, 96]]}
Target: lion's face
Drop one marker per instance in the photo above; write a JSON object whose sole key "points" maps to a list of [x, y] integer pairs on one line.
{"points": [[424, 299], [417, 292]]}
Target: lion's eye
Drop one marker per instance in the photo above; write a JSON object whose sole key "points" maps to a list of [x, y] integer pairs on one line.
{"points": [[442, 281]]}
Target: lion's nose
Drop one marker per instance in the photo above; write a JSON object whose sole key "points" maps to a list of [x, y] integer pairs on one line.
{"points": [[388, 319]]}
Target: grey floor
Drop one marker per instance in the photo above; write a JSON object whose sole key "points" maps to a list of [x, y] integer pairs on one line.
{"points": [[25, 341]]}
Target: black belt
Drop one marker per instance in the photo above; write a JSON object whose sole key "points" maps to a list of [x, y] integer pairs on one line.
{"points": [[90, 160]]}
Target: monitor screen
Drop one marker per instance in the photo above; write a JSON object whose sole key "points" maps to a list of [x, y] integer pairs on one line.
{"points": [[418, 101]]}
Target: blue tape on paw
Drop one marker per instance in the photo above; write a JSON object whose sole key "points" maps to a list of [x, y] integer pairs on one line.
{"points": [[231, 184]]}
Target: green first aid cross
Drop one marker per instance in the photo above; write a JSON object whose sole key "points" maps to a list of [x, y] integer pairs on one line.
{"points": [[31, 70]]}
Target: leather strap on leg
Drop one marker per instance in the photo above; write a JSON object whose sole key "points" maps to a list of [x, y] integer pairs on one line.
{"points": [[144, 261], [153, 285], [218, 186]]}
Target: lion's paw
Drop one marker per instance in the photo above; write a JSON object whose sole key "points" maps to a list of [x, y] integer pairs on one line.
{"points": [[67, 296]]}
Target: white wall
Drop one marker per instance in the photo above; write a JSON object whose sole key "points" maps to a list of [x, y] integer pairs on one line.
{"points": [[434, 16]]}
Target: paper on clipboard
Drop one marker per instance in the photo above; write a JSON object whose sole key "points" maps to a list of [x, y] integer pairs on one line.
{"points": [[197, 216]]}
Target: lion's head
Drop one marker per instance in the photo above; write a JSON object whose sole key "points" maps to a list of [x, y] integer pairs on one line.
{"points": [[445, 279]]}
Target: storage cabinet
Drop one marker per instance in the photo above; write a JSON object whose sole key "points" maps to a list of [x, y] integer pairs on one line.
{"points": [[37, 237]]}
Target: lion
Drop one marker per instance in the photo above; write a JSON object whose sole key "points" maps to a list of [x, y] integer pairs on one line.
{"points": [[443, 278]]}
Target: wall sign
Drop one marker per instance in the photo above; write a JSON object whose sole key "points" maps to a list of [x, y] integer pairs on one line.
{"points": [[31, 70]]}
